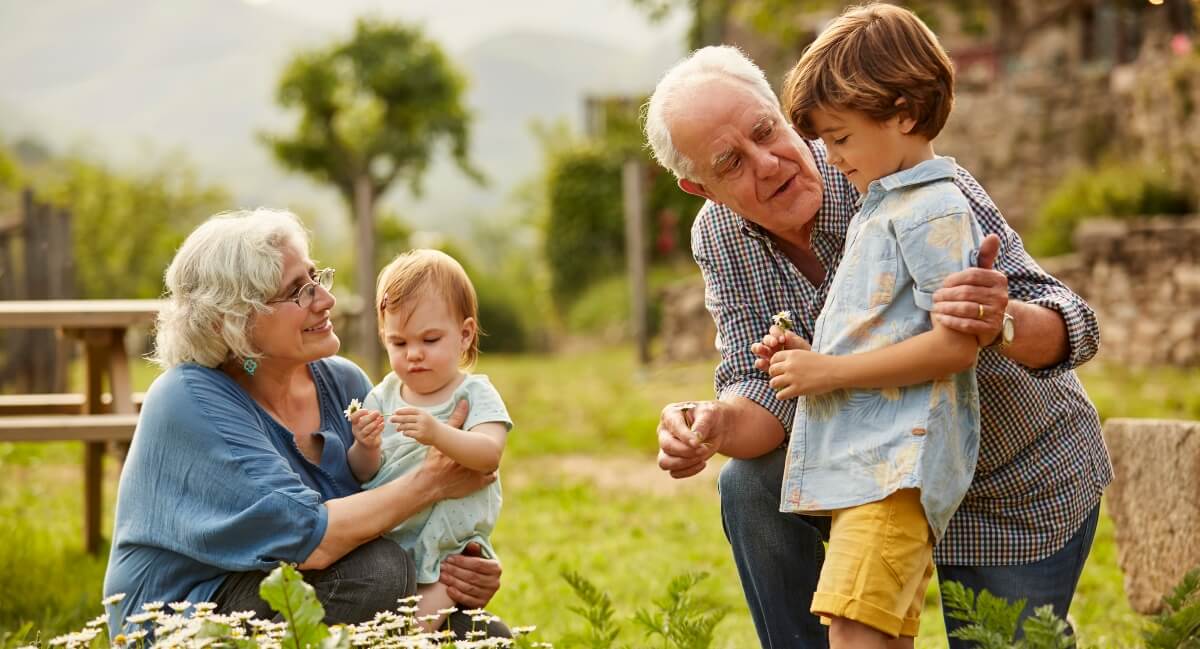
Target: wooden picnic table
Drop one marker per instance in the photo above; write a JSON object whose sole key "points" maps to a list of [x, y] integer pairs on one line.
{"points": [[100, 325]]}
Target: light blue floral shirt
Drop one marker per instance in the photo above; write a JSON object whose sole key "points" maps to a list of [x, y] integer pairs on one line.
{"points": [[852, 447]]}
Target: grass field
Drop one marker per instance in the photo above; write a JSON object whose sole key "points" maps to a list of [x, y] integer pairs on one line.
{"points": [[582, 493]]}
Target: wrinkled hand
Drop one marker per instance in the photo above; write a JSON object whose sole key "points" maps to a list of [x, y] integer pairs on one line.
{"points": [[956, 304], [689, 433], [471, 579], [777, 339], [799, 372], [418, 424], [367, 426], [449, 479]]}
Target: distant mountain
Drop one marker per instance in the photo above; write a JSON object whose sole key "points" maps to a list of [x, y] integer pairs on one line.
{"points": [[199, 76]]}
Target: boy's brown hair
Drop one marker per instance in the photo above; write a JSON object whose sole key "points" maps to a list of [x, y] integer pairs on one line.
{"points": [[867, 59], [422, 273]]}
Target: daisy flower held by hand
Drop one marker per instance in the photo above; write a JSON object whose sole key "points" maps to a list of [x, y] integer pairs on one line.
{"points": [[783, 320], [355, 404]]}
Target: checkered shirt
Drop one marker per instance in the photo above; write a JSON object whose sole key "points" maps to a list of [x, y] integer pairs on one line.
{"points": [[1042, 462]]}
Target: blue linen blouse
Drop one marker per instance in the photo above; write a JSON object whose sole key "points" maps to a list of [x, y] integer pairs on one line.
{"points": [[213, 484]]}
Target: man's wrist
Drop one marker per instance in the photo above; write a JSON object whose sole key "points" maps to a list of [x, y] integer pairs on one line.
{"points": [[1007, 334]]}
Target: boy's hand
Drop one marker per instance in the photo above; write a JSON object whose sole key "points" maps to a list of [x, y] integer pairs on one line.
{"points": [[797, 372], [367, 426], [417, 424], [776, 340]]}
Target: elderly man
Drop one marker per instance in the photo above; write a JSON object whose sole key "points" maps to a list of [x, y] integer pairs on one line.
{"points": [[768, 240]]}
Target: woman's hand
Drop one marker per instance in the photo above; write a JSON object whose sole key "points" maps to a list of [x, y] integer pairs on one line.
{"points": [[471, 579]]}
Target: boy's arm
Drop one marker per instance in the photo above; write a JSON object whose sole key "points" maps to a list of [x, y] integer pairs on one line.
{"points": [[478, 449], [1056, 330], [925, 357]]}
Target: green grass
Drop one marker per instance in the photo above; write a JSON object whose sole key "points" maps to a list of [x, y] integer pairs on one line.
{"points": [[581, 493]]}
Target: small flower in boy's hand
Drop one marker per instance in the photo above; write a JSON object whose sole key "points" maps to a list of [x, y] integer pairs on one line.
{"points": [[355, 404], [783, 320]]}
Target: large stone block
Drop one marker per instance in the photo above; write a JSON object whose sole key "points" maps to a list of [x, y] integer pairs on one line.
{"points": [[1154, 503]]}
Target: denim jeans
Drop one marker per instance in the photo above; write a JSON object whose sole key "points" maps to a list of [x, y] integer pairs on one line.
{"points": [[364, 582], [779, 558], [1049, 581]]}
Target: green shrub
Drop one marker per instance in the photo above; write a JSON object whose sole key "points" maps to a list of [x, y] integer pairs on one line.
{"points": [[1110, 191], [991, 622], [585, 229], [603, 309]]}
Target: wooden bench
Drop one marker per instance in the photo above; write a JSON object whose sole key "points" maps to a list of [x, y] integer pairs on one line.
{"points": [[57, 428], [65, 403], [94, 431]]}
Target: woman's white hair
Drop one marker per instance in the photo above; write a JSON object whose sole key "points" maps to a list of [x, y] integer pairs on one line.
{"points": [[702, 66], [220, 278]]}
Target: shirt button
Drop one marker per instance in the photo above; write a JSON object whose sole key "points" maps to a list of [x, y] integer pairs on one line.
{"points": [[918, 431]]}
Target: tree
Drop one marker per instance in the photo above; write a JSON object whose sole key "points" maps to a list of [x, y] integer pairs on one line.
{"points": [[126, 227], [372, 111]]}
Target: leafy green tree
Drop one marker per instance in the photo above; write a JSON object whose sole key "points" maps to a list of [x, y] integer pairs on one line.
{"points": [[126, 227], [372, 111], [9, 173]]}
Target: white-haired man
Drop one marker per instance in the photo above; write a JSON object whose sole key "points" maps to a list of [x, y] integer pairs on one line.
{"points": [[768, 240]]}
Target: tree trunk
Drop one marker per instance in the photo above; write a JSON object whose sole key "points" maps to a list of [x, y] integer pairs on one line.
{"points": [[367, 333]]}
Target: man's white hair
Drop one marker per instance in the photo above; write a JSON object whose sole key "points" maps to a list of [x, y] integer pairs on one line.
{"points": [[220, 278], [702, 66]]}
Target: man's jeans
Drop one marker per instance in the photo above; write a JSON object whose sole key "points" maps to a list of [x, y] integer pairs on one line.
{"points": [[367, 580], [779, 558]]}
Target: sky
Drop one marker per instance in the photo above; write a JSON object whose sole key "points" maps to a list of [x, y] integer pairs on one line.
{"points": [[458, 24]]}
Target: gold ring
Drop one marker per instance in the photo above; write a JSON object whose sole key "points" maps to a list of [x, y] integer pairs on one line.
{"points": [[981, 311]]}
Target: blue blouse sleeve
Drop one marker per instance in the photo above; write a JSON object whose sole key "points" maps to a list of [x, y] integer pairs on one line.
{"points": [[207, 479]]}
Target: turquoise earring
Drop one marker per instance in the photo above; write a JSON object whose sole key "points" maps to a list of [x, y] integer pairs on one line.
{"points": [[250, 365]]}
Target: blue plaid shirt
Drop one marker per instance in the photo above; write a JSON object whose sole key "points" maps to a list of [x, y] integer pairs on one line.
{"points": [[1042, 462]]}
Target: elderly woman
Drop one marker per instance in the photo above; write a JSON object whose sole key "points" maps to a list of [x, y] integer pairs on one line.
{"points": [[239, 460]]}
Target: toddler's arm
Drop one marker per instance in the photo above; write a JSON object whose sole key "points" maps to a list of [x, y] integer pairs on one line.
{"points": [[365, 454], [478, 449]]}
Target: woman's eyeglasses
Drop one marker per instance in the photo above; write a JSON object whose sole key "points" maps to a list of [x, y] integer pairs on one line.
{"points": [[303, 296]]}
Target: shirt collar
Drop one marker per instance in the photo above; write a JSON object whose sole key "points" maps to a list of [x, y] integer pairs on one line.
{"points": [[939, 168]]}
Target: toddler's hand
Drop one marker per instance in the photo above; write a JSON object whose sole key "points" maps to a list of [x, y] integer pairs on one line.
{"points": [[417, 424], [367, 426]]}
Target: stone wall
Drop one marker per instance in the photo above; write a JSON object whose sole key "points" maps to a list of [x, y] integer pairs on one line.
{"points": [[1143, 280], [1154, 502]]}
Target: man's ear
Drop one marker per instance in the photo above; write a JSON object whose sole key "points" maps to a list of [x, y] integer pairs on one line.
{"points": [[695, 189], [906, 121]]}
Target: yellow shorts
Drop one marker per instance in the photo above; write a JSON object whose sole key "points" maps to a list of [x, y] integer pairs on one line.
{"points": [[878, 565]]}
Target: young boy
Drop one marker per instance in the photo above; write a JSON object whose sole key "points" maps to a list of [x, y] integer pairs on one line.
{"points": [[886, 440]]}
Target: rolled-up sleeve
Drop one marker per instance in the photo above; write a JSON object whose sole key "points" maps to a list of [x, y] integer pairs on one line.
{"points": [[1028, 282], [738, 327]]}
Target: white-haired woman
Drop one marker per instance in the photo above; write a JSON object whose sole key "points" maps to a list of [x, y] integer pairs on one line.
{"points": [[239, 461]]}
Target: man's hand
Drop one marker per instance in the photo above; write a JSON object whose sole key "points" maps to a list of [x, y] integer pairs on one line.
{"points": [[799, 372], [957, 304], [471, 579], [777, 339], [689, 433]]}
